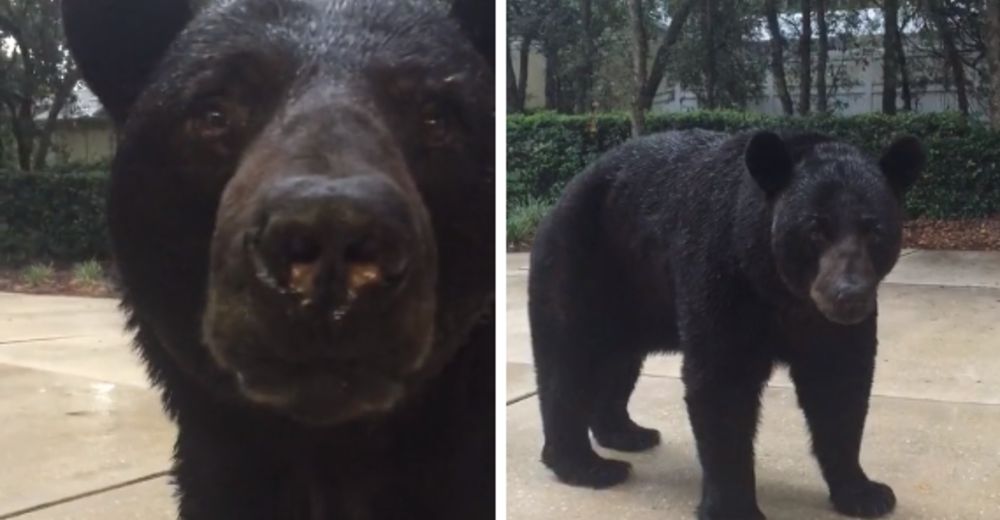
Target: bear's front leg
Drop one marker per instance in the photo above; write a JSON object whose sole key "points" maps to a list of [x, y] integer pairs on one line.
{"points": [[219, 477], [723, 399], [833, 378]]}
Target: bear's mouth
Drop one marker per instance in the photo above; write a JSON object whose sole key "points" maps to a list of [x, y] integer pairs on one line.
{"points": [[321, 393], [844, 312]]}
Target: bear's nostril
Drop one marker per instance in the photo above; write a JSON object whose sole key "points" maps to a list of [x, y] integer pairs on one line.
{"points": [[362, 251], [369, 262], [361, 275], [328, 242], [302, 250], [302, 255], [853, 294]]}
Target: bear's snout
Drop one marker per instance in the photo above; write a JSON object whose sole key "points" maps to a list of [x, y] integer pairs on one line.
{"points": [[321, 297], [327, 243], [846, 284], [845, 302]]}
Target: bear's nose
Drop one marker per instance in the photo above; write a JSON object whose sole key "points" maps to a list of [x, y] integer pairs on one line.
{"points": [[853, 293], [329, 242]]}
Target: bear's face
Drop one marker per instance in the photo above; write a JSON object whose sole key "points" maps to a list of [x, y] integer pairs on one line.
{"points": [[302, 200], [836, 215]]}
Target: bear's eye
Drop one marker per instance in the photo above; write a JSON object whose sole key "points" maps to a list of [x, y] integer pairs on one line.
{"points": [[440, 124], [211, 121], [870, 226], [817, 228]]}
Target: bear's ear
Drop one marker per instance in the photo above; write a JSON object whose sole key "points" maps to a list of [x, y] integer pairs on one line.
{"points": [[118, 43], [769, 162], [476, 17], [902, 163]]}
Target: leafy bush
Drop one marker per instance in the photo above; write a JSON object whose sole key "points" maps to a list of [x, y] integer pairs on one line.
{"points": [[37, 274], [48, 217], [88, 273], [523, 219], [962, 178]]}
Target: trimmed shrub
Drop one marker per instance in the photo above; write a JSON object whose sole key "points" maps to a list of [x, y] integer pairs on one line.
{"points": [[48, 217], [523, 219], [962, 179], [90, 272], [37, 274]]}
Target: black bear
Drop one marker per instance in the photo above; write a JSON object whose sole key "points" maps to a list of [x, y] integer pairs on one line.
{"points": [[740, 252], [301, 212]]}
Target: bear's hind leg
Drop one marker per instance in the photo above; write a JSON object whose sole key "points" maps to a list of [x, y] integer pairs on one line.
{"points": [[612, 426], [567, 399]]}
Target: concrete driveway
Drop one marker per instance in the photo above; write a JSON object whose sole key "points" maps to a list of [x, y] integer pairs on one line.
{"points": [[84, 437], [933, 431]]}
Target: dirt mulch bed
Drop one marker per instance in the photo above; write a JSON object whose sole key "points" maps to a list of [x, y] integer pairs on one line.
{"points": [[963, 235], [966, 235], [61, 283]]}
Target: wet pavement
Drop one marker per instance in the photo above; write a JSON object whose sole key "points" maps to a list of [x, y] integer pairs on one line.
{"points": [[85, 437], [932, 432]]}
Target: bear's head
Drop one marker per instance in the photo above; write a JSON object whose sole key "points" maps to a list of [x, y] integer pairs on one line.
{"points": [[836, 216], [302, 200]]}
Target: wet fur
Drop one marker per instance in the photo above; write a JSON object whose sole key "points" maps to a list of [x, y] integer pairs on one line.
{"points": [[667, 244], [433, 455]]}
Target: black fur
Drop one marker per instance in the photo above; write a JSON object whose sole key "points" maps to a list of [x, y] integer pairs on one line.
{"points": [[224, 108], [738, 251]]}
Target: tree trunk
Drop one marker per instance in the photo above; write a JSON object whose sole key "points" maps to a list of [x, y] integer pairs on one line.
{"points": [[659, 67], [805, 58], [522, 77], [23, 128], [639, 55], [59, 100], [951, 54], [822, 56], [904, 74], [778, 57], [552, 101], [708, 29], [993, 56], [889, 55], [584, 93], [513, 106]]}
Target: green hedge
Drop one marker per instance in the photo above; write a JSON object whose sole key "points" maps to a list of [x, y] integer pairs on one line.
{"points": [[49, 217], [962, 178]]}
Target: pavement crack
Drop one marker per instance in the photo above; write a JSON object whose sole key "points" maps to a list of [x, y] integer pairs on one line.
{"points": [[943, 285], [80, 496], [513, 400], [30, 340]]}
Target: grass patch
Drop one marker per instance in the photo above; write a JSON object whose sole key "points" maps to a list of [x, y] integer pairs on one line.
{"points": [[88, 273], [38, 274], [523, 220]]}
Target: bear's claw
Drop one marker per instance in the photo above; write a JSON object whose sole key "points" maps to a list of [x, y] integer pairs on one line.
{"points": [[867, 500], [635, 438], [591, 471]]}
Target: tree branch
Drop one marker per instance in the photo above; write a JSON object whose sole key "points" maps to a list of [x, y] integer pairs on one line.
{"points": [[659, 68]]}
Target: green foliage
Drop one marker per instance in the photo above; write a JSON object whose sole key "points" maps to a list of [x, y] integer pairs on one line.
{"points": [[555, 29], [524, 218], [90, 272], [37, 274], [962, 179], [52, 217], [38, 74], [731, 48]]}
